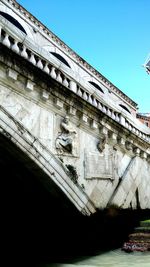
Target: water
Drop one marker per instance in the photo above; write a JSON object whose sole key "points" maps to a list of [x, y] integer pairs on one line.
{"points": [[118, 258], [115, 258]]}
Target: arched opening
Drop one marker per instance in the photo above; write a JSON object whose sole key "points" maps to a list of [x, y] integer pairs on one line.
{"points": [[96, 86], [60, 58], [125, 108], [42, 225], [36, 216], [13, 21]]}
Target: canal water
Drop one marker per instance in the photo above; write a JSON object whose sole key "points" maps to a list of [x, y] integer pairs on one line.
{"points": [[114, 258], [117, 258]]}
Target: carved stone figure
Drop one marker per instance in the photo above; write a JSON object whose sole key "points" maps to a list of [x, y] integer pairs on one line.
{"points": [[128, 145], [101, 144], [65, 140]]}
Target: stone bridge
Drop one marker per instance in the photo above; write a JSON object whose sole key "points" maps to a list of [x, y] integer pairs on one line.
{"points": [[66, 121]]}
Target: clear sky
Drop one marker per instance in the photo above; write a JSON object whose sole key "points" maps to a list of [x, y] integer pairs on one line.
{"points": [[111, 35]]}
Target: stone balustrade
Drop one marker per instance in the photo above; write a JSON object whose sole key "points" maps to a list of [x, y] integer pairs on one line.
{"points": [[42, 62], [106, 160]]}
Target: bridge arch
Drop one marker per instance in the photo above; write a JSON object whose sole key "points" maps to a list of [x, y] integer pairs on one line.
{"points": [[125, 108], [13, 21], [45, 159], [57, 53], [96, 86], [11, 17]]}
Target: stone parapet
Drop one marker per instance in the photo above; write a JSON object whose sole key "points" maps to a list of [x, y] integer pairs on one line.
{"points": [[38, 26], [43, 62], [104, 149]]}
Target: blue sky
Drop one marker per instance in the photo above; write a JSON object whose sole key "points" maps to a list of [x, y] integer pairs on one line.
{"points": [[111, 35]]}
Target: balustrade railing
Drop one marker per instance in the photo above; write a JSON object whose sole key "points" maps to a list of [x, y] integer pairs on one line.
{"points": [[45, 65]]}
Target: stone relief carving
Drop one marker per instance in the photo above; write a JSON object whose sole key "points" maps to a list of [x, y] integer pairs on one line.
{"points": [[128, 145], [66, 139], [99, 166], [101, 144]]}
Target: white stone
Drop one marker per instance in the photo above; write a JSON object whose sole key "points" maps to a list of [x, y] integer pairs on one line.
{"points": [[45, 95], [12, 74], [84, 118], [29, 85], [58, 103], [94, 125], [99, 171], [72, 111]]}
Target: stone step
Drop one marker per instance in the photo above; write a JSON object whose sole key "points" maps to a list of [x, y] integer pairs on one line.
{"points": [[142, 229], [145, 223], [136, 246], [141, 237]]}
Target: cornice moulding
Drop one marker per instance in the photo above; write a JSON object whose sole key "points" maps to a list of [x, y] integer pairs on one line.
{"points": [[67, 50]]}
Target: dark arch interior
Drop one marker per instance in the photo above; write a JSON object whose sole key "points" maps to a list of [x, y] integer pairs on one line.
{"points": [[96, 86], [39, 224], [125, 108], [60, 58], [37, 217], [13, 21]]}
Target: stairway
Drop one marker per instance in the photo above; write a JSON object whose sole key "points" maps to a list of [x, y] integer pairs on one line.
{"points": [[140, 239]]}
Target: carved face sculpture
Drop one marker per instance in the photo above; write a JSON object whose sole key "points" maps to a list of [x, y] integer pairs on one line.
{"points": [[101, 144], [66, 119]]}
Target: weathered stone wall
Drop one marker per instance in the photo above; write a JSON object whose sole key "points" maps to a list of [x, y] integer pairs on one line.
{"points": [[43, 41], [110, 165], [101, 144]]}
